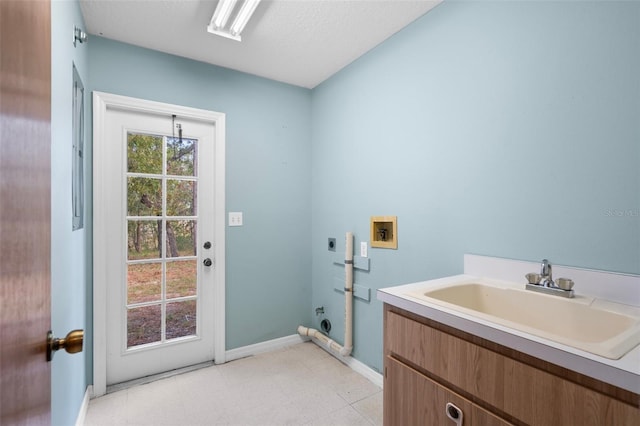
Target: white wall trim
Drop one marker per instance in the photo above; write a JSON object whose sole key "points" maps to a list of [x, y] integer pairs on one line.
{"points": [[362, 368], [219, 315], [262, 347], [358, 366], [82, 414], [294, 339], [99, 267], [102, 102]]}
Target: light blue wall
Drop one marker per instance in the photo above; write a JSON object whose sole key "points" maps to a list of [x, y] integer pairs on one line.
{"points": [[268, 263], [69, 256], [498, 128], [508, 129]]}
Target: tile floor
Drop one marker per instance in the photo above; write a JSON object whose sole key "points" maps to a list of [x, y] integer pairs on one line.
{"points": [[298, 385]]}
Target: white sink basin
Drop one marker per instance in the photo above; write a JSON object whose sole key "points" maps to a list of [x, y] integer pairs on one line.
{"points": [[573, 322]]}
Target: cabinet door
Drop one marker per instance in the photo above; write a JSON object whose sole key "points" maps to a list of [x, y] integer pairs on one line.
{"points": [[413, 399], [521, 391]]}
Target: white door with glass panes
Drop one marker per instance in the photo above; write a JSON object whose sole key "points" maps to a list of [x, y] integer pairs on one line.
{"points": [[159, 243]]}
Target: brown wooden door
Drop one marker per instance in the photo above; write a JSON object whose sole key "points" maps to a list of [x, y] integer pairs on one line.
{"points": [[25, 180]]}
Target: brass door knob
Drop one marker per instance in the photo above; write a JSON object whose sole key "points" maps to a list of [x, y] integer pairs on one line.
{"points": [[72, 343]]}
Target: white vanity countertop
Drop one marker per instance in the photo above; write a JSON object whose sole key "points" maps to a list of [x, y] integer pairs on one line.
{"points": [[623, 372]]}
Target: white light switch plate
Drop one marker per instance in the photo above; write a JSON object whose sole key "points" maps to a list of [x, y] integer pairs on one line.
{"points": [[235, 218], [363, 249]]}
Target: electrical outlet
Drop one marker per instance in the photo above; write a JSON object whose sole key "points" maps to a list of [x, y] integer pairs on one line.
{"points": [[235, 218], [363, 249]]}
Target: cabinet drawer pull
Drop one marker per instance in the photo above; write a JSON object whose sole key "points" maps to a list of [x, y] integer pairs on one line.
{"points": [[454, 413]]}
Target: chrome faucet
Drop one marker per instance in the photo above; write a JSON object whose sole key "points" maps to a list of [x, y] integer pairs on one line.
{"points": [[546, 276], [543, 282]]}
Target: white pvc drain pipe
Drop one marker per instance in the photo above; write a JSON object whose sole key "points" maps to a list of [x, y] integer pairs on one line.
{"points": [[348, 308]]}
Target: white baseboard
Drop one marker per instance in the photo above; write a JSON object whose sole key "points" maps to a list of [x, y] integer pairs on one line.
{"points": [[82, 414], [269, 345], [283, 342], [362, 368], [357, 366]]}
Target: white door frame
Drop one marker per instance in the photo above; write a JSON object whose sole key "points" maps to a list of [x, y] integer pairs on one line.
{"points": [[101, 103]]}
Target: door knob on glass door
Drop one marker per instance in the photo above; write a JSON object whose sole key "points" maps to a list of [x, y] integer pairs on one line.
{"points": [[207, 262], [72, 343]]}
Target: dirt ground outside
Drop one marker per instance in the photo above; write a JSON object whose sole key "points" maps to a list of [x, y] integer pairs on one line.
{"points": [[144, 284]]}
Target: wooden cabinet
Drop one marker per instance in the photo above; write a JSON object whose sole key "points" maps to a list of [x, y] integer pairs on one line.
{"points": [[428, 364], [413, 399]]}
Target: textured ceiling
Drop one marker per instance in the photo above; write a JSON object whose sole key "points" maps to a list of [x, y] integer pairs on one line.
{"points": [[300, 42]]}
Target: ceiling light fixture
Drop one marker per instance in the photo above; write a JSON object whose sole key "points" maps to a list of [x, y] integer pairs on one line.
{"points": [[221, 23]]}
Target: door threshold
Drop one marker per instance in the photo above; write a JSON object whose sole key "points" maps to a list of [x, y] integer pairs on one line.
{"points": [[152, 378]]}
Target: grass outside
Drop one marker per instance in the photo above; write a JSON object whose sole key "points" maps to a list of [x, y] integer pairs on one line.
{"points": [[144, 285], [144, 280]]}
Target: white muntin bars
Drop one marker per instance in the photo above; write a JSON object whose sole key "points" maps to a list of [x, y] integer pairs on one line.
{"points": [[348, 308]]}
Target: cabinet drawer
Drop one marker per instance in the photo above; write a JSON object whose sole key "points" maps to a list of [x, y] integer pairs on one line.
{"points": [[413, 399], [524, 392]]}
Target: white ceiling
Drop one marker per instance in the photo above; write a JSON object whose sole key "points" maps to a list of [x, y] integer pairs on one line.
{"points": [[300, 42]]}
